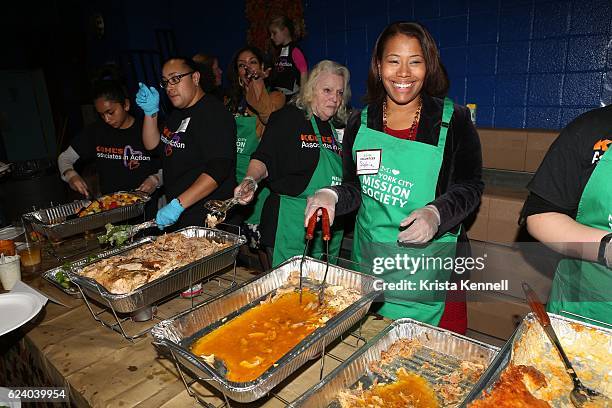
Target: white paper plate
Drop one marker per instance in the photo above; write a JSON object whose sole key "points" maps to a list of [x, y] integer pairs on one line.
{"points": [[5, 401], [17, 309]]}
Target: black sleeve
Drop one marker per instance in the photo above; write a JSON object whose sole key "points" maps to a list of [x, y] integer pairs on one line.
{"points": [[289, 166], [537, 205], [271, 142], [349, 192], [559, 177], [465, 186], [85, 143], [220, 149]]}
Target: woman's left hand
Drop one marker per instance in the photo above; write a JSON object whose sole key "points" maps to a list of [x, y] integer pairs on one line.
{"points": [[422, 225], [149, 185]]}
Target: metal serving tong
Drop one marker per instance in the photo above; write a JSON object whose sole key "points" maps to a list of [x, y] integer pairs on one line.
{"points": [[580, 394], [219, 208], [326, 237], [118, 234], [142, 226]]}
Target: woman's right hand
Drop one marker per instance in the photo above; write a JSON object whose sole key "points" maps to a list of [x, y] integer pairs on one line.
{"points": [[245, 191], [77, 183], [324, 198]]}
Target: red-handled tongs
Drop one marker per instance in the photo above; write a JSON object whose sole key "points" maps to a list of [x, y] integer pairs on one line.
{"points": [[326, 237]]}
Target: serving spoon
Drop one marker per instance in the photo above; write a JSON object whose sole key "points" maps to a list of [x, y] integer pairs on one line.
{"points": [[219, 208], [580, 394]]}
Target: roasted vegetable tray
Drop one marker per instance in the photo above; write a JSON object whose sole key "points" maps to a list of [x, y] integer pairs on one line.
{"points": [[442, 352], [62, 221], [177, 334], [178, 279], [570, 332]]}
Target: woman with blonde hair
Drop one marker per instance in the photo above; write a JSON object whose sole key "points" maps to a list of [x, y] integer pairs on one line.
{"points": [[298, 154]]}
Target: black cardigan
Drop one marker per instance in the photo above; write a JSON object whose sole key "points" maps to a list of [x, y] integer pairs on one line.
{"points": [[460, 181]]}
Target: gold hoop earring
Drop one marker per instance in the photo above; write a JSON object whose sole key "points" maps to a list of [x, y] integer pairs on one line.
{"points": [[240, 81]]}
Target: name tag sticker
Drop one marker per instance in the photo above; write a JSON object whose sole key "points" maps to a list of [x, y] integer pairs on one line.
{"points": [[368, 161], [184, 125]]}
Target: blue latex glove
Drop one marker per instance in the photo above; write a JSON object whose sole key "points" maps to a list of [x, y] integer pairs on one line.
{"points": [[168, 214], [147, 99]]}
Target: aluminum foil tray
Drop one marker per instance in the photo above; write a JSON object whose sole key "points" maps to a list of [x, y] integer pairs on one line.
{"points": [[52, 221], [569, 331], [51, 277], [442, 350], [178, 333], [178, 279]]}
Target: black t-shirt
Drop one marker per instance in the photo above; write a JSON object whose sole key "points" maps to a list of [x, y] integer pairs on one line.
{"points": [[560, 180], [122, 161], [286, 77], [290, 151], [199, 139]]}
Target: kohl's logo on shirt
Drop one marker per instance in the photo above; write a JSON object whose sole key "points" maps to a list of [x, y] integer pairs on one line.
{"points": [[599, 148], [172, 140], [131, 158], [311, 142]]}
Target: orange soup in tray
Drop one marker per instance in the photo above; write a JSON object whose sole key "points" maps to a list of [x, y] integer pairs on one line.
{"points": [[253, 341]]}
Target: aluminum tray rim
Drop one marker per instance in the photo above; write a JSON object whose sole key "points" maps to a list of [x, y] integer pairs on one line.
{"points": [[304, 344], [372, 343]]}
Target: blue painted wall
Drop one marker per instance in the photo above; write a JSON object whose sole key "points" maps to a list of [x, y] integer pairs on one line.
{"points": [[525, 63]]}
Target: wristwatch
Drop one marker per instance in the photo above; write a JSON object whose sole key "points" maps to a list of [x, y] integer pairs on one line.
{"points": [[604, 256]]}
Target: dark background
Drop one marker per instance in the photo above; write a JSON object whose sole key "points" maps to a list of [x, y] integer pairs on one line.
{"points": [[525, 63]]}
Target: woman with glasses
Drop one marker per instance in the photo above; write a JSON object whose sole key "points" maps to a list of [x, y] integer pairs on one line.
{"points": [[198, 144], [252, 104], [115, 143], [298, 154]]}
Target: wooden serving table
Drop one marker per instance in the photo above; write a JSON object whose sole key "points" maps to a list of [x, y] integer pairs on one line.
{"points": [[66, 347]]}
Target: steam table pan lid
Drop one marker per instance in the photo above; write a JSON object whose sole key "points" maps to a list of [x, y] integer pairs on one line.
{"points": [[11, 232]]}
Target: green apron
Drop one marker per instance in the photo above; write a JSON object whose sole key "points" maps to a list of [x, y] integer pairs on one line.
{"points": [[406, 180], [289, 240], [581, 287], [246, 143]]}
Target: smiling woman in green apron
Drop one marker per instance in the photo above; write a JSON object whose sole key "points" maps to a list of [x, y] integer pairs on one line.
{"points": [[298, 154], [251, 103], [569, 209], [412, 166]]}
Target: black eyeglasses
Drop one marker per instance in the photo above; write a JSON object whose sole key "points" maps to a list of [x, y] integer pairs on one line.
{"points": [[173, 80]]}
